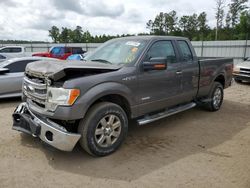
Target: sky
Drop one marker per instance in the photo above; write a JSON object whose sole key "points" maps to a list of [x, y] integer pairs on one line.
{"points": [[31, 19]]}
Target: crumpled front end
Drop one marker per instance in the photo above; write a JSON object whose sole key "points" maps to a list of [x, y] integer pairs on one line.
{"points": [[48, 131]]}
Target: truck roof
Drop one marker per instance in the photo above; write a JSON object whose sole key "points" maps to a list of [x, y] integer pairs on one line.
{"points": [[152, 37], [30, 58], [12, 47]]}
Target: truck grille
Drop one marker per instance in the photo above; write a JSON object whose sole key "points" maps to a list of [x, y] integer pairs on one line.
{"points": [[244, 71], [35, 89]]}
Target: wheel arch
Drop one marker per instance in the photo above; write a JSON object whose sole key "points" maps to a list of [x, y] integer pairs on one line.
{"points": [[116, 99], [221, 79], [109, 92]]}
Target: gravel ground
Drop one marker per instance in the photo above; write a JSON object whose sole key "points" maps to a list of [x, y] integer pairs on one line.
{"points": [[191, 149]]}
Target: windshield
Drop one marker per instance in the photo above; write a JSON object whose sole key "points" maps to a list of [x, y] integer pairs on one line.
{"points": [[57, 50], [2, 57], [5, 63], [120, 51], [75, 57]]}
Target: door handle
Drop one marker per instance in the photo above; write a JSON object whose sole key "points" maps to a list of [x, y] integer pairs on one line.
{"points": [[179, 72]]}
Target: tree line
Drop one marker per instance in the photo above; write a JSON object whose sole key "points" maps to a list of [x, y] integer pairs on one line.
{"points": [[20, 42], [77, 35], [233, 24]]}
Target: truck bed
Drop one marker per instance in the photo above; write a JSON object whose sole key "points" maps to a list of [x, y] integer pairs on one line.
{"points": [[211, 67]]}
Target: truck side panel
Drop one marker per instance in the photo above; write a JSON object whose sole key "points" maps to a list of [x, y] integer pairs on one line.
{"points": [[210, 69]]}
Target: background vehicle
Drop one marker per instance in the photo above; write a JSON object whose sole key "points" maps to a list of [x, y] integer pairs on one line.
{"points": [[61, 52], [11, 75], [3, 58], [144, 78], [76, 57], [13, 51], [242, 71]]}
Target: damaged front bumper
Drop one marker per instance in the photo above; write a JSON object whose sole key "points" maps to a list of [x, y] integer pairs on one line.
{"points": [[48, 131]]}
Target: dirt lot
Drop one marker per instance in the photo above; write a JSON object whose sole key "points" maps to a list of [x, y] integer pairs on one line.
{"points": [[192, 149]]}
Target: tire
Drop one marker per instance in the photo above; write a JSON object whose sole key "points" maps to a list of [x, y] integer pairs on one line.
{"points": [[103, 129], [216, 97]]}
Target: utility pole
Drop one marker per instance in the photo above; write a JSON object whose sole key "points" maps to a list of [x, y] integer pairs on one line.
{"points": [[245, 51]]}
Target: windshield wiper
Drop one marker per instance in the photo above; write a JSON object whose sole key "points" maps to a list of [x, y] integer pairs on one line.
{"points": [[102, 61]]}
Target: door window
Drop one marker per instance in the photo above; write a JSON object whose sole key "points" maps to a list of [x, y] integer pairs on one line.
{"points": [[5, 50], [11, 50], [57, 51], [16, 50], [68, 50], [18, 66], [162, 49]]}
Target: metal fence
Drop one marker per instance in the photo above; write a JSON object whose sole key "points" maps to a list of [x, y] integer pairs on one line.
{"points": [[238, 49], [44, 47]]}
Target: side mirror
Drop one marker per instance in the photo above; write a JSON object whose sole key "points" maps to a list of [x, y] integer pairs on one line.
{"points": [[4, 71], [246, 58], [156, 63]]}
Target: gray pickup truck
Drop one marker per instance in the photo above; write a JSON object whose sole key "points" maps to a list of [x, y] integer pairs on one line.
{"points": [[145, 78]]}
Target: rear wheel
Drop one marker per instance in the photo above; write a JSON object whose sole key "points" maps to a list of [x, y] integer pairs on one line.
{"points": [[103, 129], [216, 97]]}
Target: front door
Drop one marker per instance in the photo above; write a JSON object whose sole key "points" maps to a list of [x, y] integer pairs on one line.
{"points": [[160, 89], [11, 83]]}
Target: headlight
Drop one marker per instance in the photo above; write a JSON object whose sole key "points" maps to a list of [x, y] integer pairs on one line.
{"points": [[236, 69], [61, 96]]}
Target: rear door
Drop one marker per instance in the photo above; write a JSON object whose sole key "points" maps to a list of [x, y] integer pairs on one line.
{"points": [[160, 89], [11, 83], [190, 70]]}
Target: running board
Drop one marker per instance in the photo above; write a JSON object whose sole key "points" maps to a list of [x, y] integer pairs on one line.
{"points": [[169, 112]]}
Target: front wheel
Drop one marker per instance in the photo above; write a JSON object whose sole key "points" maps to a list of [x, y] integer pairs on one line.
{"points": [[216, 97], [103, 129]]}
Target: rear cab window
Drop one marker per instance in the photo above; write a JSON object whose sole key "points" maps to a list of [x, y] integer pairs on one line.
{"points": [[185, 50], [76, 50]]}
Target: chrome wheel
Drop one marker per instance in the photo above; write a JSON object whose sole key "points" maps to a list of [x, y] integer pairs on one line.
{"points": [[108, 130], [217, 98]]}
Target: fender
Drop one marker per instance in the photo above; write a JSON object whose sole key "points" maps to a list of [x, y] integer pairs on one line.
{"points": [[104, 89]]}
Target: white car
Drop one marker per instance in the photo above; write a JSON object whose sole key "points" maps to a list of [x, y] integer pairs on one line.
{"points": [[11, 75], [13, 51]]}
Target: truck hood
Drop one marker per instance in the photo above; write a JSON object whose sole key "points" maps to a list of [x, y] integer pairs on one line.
{"points": [[245, 64], [57, 70]]}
